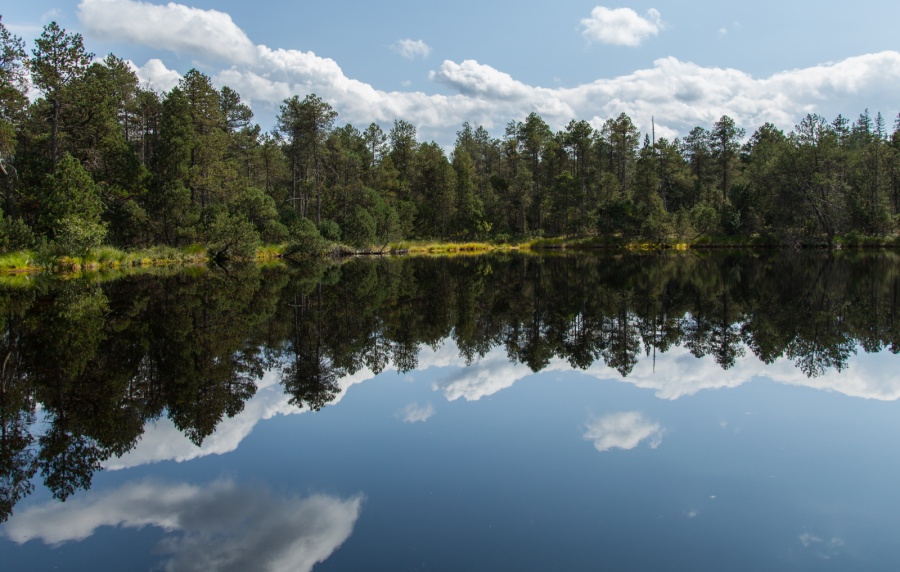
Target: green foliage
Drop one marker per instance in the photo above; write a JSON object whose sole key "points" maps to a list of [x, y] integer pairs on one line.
{"points": [[305, 239], [232, 236], [16, 235], [330, 230], [618, 217], [275, 232], [71, 210], [77, 236], [360, 229], [703, 220]]}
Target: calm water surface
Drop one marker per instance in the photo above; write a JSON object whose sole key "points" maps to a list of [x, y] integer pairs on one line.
{"points": [[663, 412]]}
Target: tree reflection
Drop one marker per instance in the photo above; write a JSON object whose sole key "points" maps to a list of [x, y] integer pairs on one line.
{"points": [[84, 366], [309, 376]]}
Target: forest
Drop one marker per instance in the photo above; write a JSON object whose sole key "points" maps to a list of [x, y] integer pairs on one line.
{"points": [[94, 158]]}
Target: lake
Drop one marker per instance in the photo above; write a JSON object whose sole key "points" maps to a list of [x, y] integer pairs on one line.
{"points": [[676, 411]]}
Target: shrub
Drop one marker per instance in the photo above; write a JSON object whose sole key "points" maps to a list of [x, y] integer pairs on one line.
{"points": [[330, 231], [16, 235], [232, 236], [305, 239]]}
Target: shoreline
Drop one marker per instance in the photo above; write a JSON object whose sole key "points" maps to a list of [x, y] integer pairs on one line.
{"points": [[24, 263]]}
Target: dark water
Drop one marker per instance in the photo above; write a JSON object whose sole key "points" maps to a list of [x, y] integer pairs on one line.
{"points": [[663, 412]]}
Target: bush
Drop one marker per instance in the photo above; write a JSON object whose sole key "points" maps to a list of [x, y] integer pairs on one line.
{"points": [[305, 239], [77, 236], [16, 235], [275, 232], [360, 228], [232, 236], [330, 231]]}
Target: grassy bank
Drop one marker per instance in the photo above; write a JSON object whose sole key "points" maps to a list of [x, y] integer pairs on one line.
{"points": [[432, 247], [113, 259], [110, 258]]}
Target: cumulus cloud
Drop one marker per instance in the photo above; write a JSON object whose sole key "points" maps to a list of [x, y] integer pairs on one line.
{"points": [[415, 413], [621, 26], [487, 376], [679, 94], [411, 49], [156, 76], [624, 430], [176, 27], [222, 526]]}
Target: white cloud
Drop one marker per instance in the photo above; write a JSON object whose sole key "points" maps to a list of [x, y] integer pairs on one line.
{"points": [[221, 526], [415, 413], [175, 27], [50, 15], [624, 430], [621, 26], [681, 95], [24, 30], [155, 75], [411, 49], [487, 376]]}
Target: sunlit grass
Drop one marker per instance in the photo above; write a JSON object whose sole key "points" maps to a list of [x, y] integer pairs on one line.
{"points": [[16, 280], [268, 252], [430, 247], [16, 261]]}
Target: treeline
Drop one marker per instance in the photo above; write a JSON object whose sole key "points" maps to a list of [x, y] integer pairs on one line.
{"points": [[86, 366], [98, 158]]}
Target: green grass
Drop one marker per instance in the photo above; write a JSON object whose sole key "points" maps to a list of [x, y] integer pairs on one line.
{"points": [[431, 247], [270, 251], [17, 262]]}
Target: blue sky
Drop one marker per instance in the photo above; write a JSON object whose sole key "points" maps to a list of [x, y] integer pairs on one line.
{"points": [[438, 64]]}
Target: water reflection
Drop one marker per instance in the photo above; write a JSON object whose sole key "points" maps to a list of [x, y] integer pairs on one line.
{"points": [[203, 356], [623, 430], [218, 526]]}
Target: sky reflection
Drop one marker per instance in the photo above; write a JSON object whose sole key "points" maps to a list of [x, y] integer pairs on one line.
{"points": [[673, 375], [221, 526]]}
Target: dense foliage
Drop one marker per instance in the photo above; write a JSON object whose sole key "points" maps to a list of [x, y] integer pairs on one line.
{"points": [[97, 158]]}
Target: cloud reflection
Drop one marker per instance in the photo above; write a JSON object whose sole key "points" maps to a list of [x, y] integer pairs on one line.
{"points": [[675, 374], [222, 526], [415, 413], [623, 430], [162, 441]]}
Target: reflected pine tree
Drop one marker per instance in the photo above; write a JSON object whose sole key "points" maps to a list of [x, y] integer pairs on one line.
{"points": [[309, 376]]}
